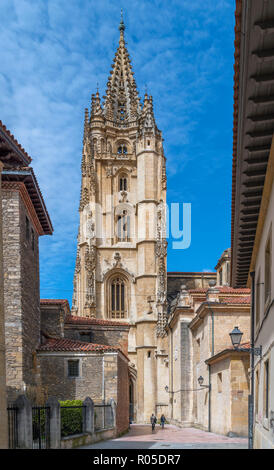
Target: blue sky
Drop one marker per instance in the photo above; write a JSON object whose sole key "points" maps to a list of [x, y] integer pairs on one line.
{"points": [[53, 53]]}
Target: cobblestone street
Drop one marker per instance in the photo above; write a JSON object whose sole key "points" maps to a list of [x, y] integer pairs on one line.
{"points": [[171, 437]]}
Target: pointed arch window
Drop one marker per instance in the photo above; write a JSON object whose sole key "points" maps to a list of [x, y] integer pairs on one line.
{"points": [[117, 297]]}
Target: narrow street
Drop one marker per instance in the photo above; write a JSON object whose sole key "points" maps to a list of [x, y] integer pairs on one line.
{"points": [[171, 437]]}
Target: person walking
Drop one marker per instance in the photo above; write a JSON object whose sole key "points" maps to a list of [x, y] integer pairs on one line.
{"points": [[162, 420], [153, 421]]}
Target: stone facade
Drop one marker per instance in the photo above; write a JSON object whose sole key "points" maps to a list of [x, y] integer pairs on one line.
{"points": [[229, 376], [53, 313], [199, 323], [263, 265], [3, 394], [21, 292], [99, 332], [100, 346]]}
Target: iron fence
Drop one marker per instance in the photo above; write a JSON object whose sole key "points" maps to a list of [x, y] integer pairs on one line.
{"points": [[12, 427], [40, 427], [103, 418]]}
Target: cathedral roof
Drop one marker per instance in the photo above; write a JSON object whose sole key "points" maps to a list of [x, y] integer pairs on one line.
{"points": [[122, 102]]}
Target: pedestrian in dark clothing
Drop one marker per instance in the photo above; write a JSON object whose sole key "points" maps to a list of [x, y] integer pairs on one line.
{"points": [[162, 420], [153, 421]]}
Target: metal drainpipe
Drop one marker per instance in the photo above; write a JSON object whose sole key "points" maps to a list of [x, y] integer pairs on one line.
{"points": [[209, 370]]}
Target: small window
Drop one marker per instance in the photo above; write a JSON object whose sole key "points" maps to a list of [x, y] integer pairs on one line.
{"points": [[123, 183], [73, 368], [85, 336], [149, 354], [27, 228], [122, 150]]}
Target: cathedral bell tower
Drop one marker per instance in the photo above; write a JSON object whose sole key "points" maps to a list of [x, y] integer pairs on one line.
{"points": [[120, 271]]}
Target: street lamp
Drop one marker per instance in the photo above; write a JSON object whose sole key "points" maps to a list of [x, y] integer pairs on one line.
{"points": [[236, 336], [201, 381]]}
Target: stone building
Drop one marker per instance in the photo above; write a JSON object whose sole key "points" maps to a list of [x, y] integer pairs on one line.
{"points": [[82, 356], [199, 324], [223, 268], [120, 271], [3, 395], [25, 218], [253, 199]]}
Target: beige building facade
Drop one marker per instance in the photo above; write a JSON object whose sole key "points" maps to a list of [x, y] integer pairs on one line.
{"points": [[199, 324], [253, 201], [263, 265]]}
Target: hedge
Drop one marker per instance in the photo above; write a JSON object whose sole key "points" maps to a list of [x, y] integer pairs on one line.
{"points": [[71, 418]]}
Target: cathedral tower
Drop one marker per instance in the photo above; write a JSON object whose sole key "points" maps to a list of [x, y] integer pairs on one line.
{"points": [[120, 271]]}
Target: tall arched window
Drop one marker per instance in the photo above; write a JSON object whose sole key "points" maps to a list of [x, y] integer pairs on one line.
{"points": [[123, 227], [117, 297]]}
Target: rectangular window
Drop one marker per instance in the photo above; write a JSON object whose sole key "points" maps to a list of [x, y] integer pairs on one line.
{"points": [[85, 337], [267, 270], [266, 388], [258, 299], [73, 368]]}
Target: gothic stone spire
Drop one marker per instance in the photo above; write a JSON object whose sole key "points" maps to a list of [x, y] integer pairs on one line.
{"points": [[122, 102]]}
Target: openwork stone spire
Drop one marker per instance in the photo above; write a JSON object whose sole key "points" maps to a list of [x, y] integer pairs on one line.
{"points": [[122, 102]]}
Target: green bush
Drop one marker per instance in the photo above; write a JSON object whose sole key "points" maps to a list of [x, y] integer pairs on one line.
{"points": [[71, 418]]}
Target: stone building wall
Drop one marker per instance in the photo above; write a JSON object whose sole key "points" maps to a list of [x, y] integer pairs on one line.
{"points": [[239, 394], [221, 397], [190, 280], [102, 377], [99, 334], [52, 319], [21, 295], [3, 393], [122, 414], [55, 381]]}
